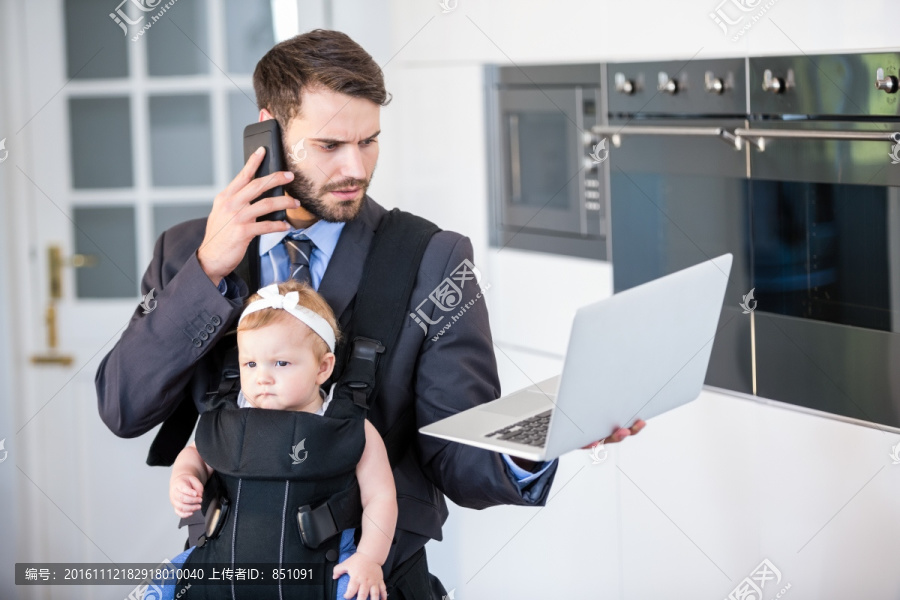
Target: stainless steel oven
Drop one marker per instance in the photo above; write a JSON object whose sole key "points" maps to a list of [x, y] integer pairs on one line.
{"points": [[825, 222], [792, 164], [547, 178], [678, 186]]}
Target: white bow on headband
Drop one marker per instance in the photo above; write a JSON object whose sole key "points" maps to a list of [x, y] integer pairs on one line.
{"points": [[271, 298]]}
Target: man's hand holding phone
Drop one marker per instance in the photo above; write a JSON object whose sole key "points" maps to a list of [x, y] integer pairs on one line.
{"points": [[232, 223]]}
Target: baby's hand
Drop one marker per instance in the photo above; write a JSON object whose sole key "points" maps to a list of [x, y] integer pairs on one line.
{"points": [[365, 577], [185, 494]]}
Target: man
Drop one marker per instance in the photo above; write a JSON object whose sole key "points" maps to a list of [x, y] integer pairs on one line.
{"points": [[326, 93]]}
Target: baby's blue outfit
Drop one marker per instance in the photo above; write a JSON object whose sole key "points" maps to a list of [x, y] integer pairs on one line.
{"points": [[348, 547]]}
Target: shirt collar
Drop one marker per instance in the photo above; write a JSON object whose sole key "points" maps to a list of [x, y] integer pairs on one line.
{"points": [[323, 234]]}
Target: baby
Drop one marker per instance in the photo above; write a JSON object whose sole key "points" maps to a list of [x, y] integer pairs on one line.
{"points": [[286, 352]]}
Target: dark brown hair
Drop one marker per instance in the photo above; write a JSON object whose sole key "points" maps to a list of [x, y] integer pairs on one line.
{"points": [[309, 298], [318, 58]]}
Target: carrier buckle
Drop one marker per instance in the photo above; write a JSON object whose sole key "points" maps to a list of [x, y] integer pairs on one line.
{"points": [[366, 349], [362, 365], [216, 514], [316, 525]]}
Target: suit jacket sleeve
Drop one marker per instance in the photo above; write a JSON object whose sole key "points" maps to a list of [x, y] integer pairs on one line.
{"points": [[152, 367], [457, 370]]}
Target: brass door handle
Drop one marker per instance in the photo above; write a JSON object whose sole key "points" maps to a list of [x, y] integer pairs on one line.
{"points": [[51, 357], [55, 264]]}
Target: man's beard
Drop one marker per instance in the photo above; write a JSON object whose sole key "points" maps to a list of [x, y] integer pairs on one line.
{"points": [[301, 188]]}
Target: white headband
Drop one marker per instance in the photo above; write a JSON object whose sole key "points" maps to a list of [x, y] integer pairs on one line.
{"points": [[271, 298]]}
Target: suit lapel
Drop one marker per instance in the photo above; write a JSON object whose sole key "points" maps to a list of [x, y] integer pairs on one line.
{"points": [[342, 277]]}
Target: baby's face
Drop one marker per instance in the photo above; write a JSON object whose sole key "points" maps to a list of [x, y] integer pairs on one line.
{"points": [[279, 368]]}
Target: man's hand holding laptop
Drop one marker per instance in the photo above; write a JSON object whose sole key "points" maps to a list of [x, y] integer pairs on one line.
{"points": [[619, 434]]}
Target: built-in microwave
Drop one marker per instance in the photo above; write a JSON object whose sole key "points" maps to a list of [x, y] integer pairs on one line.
{"points": [[547, 171]]}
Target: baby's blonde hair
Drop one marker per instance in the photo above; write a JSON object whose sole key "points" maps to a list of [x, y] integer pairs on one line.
{"points": [[309, 298]]}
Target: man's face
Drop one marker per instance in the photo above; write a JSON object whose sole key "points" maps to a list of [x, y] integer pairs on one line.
{"points": [[332, 149]]}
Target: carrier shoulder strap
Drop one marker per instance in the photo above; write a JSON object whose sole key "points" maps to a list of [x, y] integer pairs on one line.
{"points": [[382, 298], [379, 311]]}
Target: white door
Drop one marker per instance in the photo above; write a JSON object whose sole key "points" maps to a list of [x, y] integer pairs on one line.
{"points": [[113, 137]]}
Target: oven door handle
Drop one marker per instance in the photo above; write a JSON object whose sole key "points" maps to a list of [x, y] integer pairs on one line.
{"points": [[758, 136], [514, 159], [615, 133]]}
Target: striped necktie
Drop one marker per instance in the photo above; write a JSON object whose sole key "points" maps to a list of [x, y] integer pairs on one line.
{"points": [[299, 249]]}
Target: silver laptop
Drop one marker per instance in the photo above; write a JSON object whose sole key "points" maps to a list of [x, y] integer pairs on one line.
{"points": [[632, 356]]}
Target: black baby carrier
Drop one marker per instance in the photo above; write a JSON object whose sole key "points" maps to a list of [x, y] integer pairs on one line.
{"points": [[284, 486]]}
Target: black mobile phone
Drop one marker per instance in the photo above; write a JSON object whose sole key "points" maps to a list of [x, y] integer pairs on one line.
{"points": [[268, 135]]}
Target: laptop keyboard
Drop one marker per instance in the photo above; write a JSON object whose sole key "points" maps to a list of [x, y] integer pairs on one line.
{"points": [[531, 431]]}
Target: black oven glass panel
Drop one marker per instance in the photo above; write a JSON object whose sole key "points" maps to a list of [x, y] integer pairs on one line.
{"points": [[821, 252], [540, 170], [825, 268], [544, 170], [664, 223]]}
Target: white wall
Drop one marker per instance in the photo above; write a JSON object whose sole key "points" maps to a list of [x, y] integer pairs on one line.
{"points": [[8, 472], [707, 492]]}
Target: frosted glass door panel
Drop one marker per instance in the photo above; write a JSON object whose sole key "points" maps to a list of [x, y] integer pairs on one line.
{"points": [[178, 42], [101, 142], [249, 31], [95, 45], [180, 140], [107, 235]]}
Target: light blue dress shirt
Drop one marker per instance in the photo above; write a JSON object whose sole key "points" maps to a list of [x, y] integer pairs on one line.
{"points": [[274, 266], [273, 257]]}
